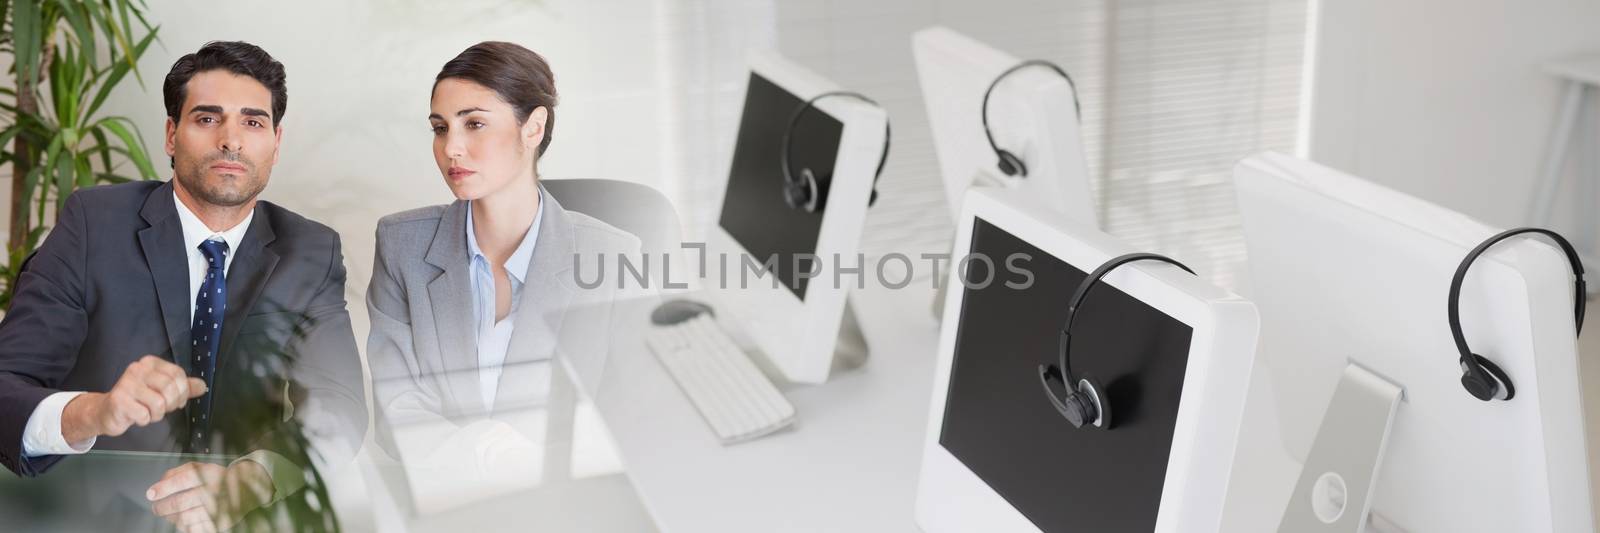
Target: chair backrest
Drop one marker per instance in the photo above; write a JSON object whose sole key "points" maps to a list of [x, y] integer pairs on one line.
{"points": [[632, 207]]}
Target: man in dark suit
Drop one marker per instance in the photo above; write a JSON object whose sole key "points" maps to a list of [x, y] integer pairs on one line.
{"points": [[188, 316]]}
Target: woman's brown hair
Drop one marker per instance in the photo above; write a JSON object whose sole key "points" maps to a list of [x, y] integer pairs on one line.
{"points": [[520, 76]]}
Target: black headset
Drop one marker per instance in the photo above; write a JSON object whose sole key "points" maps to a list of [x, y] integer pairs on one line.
{"points": [[804, 191], [1010, 164], [1086, 402], [1482, 378]]}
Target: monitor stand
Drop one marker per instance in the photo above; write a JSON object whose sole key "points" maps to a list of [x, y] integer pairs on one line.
{"points": [[850, 350], [1334, 493]]}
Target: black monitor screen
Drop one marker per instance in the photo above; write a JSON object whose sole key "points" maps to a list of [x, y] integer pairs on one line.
{"points": [[998, 422], [754, 211]]}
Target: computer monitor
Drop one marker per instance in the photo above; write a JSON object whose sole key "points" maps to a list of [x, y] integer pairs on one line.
{"points": [[1345, 272], [1031, 114], [1169, 347], [780, 272]]}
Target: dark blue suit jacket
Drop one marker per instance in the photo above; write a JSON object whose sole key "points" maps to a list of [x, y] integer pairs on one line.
{"points": [[111, 284]]}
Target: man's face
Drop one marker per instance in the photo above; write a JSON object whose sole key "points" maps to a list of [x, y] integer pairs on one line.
{"points": [[223, 143]]}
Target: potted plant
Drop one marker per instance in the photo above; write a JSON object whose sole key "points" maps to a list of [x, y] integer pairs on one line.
{"points": [[67, 57]]}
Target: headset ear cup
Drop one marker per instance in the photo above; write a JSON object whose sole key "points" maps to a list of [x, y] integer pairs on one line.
{"points": [[801, 192], [1501, 381], [1080, 409], [1010, 164], [813, 196], [1479, 385], [793, 193], [1095, 393]]}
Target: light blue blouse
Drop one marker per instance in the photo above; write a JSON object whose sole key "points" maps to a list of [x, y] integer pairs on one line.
{"points": [[495, 337]]}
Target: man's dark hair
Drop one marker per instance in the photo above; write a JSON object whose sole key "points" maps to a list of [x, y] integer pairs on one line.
{"points": [[520, 76], [238, 57]]}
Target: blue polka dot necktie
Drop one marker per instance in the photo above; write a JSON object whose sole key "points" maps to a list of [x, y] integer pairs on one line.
{"points": [[205, 339]]}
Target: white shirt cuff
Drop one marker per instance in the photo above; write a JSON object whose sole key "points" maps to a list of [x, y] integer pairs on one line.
{"points": [[42, 435]]}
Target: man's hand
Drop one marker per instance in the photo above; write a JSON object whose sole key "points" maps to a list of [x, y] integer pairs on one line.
{"points": [[149, 389], [200, 497]]}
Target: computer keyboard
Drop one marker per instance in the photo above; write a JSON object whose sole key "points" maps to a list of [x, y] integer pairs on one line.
{"points": [[732, 395]]}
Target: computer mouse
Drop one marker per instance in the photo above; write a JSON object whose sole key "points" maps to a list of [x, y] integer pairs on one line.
{"points": [[675, 311]]}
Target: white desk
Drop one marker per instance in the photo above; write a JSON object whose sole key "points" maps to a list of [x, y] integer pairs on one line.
{"points": [[599, 504], [849, 464]]}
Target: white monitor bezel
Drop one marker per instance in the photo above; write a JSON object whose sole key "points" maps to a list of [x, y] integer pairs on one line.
{"points": [[951, 498], [798, 337], [1031, 114]]}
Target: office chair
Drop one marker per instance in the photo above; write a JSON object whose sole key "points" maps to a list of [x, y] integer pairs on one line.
{"points": [[632, 207]]}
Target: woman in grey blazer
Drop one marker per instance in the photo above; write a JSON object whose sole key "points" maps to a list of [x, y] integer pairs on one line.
{"points": [[475, 307]]}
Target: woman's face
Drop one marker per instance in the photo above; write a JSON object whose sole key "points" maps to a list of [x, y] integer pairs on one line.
{"points": [[478, 141]]}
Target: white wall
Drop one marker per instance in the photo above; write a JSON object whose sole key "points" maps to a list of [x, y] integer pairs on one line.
{"points": [[1446, 99]]}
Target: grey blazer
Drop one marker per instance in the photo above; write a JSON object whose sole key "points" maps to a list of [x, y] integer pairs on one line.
{"points": [[423, 344]]}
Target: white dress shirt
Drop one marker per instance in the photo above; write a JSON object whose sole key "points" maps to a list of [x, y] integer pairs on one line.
{"points": [[494, 337]]}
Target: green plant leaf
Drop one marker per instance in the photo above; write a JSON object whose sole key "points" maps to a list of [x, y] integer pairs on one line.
{"points": [[82, 33], [105, 153], [60, 83], [105, 18], [51, 151], [33, 240], [26, 36], [67, 82], [139, 9], [107, 149], [38, 129], [121, 32], [47, 167], [103, 147], [39, 211], [58, 173], [118, 71], [131, 141], [86, 174], [16, 254], [88, 40], [7, 135], [30, 182], [83, 173]]}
